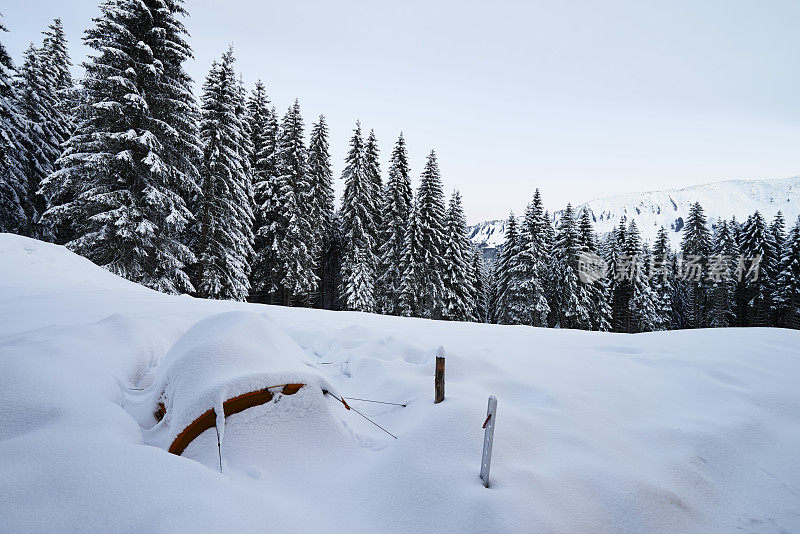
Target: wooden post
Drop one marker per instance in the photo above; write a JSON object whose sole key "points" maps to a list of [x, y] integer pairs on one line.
{"points": [[488, 439], [439, 380]]}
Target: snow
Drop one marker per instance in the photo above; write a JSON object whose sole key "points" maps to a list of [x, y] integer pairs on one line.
{"points": [[670, 208], [692, 431]]}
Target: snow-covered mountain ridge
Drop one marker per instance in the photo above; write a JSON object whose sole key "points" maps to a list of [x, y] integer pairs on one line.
{"points": [[669, 208]]}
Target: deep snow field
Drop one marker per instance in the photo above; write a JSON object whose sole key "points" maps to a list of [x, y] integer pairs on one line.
{"points": [[694, 431]]}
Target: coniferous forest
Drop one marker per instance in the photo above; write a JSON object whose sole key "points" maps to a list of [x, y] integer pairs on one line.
{"points": [[226, 197]]}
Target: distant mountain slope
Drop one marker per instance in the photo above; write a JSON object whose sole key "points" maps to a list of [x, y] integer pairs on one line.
{"points": [[654, 209]]}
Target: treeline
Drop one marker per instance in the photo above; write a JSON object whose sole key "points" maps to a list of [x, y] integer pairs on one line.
{"points": [[221, 198], [733, 274], [224, 198]]}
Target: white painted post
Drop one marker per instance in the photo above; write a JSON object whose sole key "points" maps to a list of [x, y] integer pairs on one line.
{"points": [[488, 439]]}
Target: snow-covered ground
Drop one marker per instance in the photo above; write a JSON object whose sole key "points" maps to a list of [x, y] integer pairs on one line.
{"points": [[669, 208], [694, 431]]}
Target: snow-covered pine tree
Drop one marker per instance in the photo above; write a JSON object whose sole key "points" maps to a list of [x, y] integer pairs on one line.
{"points": [[224, 217], [296, 259], [131, 159], [571, 299], [55, 67], [502, 271], [372, 159], [536, 238], [662, 280], [269, 213], [643, 304], [397, 208], [721, 268], [480, 285], [57, 61], [776, 237], [695, 249], [357, 211], [410, 304], [41, 147], [789, 278], [432, 238], [754, 246], [15, 206], [598, 291], [322, 207], [619, 289], [459, 302]]}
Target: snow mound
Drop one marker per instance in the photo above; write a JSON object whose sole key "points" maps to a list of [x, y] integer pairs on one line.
{"points": [[692, 431], [219, 358], [31, 264]]}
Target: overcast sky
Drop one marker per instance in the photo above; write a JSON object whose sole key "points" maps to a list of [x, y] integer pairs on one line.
{"points": [[581, 99]]}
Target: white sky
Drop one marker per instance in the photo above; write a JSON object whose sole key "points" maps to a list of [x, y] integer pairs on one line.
{"points": [[582, 99]]}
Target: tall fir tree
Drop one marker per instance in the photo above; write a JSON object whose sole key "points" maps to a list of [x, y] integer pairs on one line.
{"points": [[410, 304], [695, 249], [269, 212], [643, 316], [502, 271], [789, 277], [41, 146], [56, 63], [480, 284], [776, 239], [396, 214], [357, 212], [598, 290], [571, 300], [661, 280], [296, 247], [15, 206], [372, 160], [757, 288], [131, 159], [224, 226], [721, 268], [322, 208], [457, 279], [432, 238]]}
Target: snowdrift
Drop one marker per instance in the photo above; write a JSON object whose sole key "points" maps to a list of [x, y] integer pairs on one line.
{"points": [[691, 431]]}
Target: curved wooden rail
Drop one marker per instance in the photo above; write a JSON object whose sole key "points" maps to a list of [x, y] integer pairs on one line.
{"points": [[231, 406]]}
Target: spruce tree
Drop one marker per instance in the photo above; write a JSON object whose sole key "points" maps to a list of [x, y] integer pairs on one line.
{"points": [[373, 168], [357, 211], [432, 238], [776, 239], [410, 304], [502, 271], [56, 63], [757, 295], [662, 280], [480, 285], [721, 267], [225, 216], [598, 291], [15, 207], [296, 246], [41, 147], [131, 159], [643, 304], [322, 208], [396, 214], [269, 212], [459, 303], [696, 248], [789, 278], [571, 301]]}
